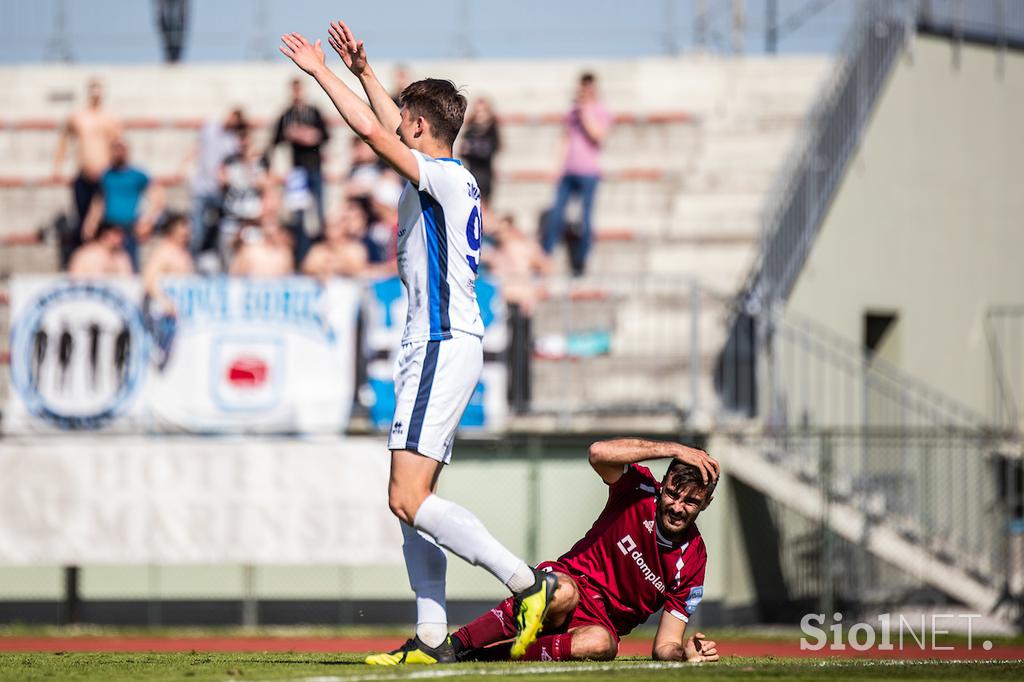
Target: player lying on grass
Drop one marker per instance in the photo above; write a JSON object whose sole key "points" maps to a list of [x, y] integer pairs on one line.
{"points": [[642, 554], [439, 366]]}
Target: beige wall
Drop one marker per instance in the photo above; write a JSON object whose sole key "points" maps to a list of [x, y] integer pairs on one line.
{"points": [[929, 220], [495, 488]]}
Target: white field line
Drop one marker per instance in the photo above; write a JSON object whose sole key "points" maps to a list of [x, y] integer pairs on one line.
{"points": [[433, 674]]}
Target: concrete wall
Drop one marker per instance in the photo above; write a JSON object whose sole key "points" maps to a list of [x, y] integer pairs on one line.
{"points": [[929, 220]]}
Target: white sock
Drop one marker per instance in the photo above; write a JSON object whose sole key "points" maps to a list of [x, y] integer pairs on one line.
{"points": [[522, 579], [426, 564], [458, 531]]}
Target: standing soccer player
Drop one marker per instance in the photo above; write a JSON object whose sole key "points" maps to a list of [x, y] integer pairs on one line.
{"points": [[442, 354]]}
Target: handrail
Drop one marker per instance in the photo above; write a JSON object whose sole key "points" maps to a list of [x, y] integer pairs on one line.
{"points": [[884, 376], [997, 22], [805, 189], [1006, 412]]}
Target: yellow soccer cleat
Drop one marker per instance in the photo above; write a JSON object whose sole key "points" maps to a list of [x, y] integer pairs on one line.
{"points": [[531, 608], [415, 652]]}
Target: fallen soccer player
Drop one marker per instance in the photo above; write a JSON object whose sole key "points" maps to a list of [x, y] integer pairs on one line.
{"points": [[642, 554]]}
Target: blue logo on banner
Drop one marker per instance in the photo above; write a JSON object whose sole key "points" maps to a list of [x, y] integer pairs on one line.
{"points": [[76, 370]]}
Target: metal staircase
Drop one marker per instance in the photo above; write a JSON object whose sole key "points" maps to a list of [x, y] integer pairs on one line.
{"points": [[902, 474]]}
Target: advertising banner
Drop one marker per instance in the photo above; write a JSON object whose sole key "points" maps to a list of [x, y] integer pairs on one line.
{"points": [[178, 500], [220, 355]]}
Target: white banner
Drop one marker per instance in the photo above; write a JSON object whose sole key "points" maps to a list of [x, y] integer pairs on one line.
{"points": [[237, 356], [133, 500]]}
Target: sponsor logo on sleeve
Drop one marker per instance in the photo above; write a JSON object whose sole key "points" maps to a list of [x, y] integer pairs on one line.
{"points": [[696, 594]]}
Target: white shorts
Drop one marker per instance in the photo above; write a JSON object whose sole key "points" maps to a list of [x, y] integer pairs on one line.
{"points": [[434, 381]]}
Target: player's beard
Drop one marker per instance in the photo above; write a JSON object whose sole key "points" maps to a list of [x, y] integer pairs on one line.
{"points": [[671, 533]]}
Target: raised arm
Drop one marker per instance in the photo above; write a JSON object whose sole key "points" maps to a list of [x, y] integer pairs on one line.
{"points": [[358, 116], [594, 126], [610, 457], [353, 53]]}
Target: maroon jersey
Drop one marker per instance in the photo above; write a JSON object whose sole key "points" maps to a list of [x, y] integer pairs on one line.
{"points": [[625, 557]]}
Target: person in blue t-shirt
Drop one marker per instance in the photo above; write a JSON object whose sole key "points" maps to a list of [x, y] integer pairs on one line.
{"points": [[123, 189]]}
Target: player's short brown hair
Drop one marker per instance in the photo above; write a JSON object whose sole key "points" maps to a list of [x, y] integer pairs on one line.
{"points": [[440, 103], [682, 475]]}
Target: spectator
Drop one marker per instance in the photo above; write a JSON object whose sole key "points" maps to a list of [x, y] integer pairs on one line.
{"points": [[170, 257], [382, 235], [479, 142], [517, 260], [586, 127], [400, 81], [366, 170], [264, 251], [94, 131], [244, 181], [218, 140], [303, 127], [123, 188], [342, 253], [103, 256]]}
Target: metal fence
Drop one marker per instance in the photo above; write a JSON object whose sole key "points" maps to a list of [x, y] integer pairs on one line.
{"points": [[1004, 335], [929, 507], [621, 346]]}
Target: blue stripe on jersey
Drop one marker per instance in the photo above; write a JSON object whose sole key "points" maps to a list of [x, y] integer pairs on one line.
{"points": [[419, 409], [439, 293]]}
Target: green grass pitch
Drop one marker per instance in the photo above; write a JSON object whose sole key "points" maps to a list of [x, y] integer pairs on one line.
{"points": [[200, 667]]}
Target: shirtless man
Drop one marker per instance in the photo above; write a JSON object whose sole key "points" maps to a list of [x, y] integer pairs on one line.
{"points": [[94, 131], [170, 257], [104, 256], [342, 253], [518, 262], [266, 251]]}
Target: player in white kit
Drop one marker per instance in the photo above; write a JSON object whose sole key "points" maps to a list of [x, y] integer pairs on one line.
{"points": [[441, 357]]}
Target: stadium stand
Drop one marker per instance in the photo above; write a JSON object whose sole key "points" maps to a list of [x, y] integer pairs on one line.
{"points": [[696, 146]]}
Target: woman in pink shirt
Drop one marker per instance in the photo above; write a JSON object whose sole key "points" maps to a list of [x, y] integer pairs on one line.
{"points": [[586, 126]]}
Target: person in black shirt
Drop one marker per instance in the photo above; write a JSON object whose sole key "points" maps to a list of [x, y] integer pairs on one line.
{"points": [[480, 141], [304, 128]]}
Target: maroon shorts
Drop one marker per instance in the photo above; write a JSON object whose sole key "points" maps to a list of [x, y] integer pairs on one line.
{"points": [[591, 609]]}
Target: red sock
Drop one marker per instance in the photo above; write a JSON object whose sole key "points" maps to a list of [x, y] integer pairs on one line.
{"points": [[494, 626], [550, 648]]}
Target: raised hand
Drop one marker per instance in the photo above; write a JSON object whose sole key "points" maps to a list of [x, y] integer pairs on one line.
{"points": [[306, 56], [699, 649], [351, 51]]}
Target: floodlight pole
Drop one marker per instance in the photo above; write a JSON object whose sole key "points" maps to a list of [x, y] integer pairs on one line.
{"points": [[172, 22], [771, 26], [700, 24], [58, 45]]}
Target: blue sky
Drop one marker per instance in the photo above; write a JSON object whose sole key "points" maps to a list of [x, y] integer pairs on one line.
{"points": [[123, 31]]}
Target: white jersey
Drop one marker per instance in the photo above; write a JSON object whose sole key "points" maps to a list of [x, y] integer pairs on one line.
{"points": [[439, 232]]}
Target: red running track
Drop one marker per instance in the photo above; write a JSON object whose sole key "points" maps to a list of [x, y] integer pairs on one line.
{"points": [[629, 647]]}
